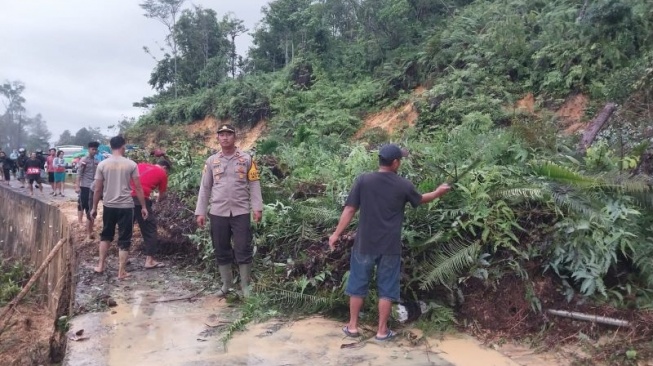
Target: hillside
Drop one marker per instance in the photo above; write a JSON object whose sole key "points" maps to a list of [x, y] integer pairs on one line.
{"points": [[503, 88]]}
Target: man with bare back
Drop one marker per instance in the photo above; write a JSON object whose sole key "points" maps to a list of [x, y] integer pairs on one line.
{"points": [[112, 182]]}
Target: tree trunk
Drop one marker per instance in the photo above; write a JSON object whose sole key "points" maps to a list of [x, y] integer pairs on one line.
{"points": [[595, 126], [581, 13], [285, 57], [233, 56], [589, 318]]}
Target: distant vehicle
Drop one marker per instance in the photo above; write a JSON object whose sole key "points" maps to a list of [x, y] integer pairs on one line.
{"points": [[69, 153]]}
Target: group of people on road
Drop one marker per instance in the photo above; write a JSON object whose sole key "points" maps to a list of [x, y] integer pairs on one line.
{"points": [[125, 189], [230, 186], [33, 167]]}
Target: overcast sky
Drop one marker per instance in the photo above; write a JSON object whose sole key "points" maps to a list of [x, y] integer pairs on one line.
{"points": [[82, 61]]}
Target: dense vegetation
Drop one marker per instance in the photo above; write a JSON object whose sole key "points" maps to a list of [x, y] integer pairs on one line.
{"points": [[532, 207]]}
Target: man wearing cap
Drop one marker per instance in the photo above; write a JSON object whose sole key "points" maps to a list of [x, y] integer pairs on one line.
{"points": [[83, 186], [153, 176], [381, 197], [230, 180]]}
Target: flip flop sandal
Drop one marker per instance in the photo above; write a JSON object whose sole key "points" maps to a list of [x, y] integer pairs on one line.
{"points": [[345, 330], [387, 337], [157, 265]]}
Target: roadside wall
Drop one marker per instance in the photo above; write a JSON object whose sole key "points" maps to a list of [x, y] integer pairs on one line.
{"points": [[29, 229]]}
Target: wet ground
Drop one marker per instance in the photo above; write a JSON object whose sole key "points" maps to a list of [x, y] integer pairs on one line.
{"points": [[168, 316]]}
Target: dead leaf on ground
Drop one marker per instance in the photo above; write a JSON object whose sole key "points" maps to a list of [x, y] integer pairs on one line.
{"points": [[352, 345], [217, 324]]}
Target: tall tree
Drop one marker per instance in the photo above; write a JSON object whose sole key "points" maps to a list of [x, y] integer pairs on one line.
{"points": [[123, 125], [13, 120], [166, 11], [66, 138], [234, 27], [203, 47], [203, 53], [87, 134], [38, 134]]}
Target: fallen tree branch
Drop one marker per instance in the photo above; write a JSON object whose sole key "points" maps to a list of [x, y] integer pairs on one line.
{"points": [[595, 126], [589, 318], [218, 324], [187, 297], [8, 311]]}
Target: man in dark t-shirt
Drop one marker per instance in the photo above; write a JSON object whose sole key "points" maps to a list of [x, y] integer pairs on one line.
{"points": [[381, 197], [33, 167]]}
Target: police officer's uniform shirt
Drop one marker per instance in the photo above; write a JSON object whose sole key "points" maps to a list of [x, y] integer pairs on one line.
{"points": [[231, 185]]}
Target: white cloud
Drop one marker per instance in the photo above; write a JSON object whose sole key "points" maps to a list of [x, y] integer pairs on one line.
{"points": [[82, 61]]}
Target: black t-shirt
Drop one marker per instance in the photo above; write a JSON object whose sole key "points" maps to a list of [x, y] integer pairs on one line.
{"points": [[33, 163], [21, 161], [381, 198]]}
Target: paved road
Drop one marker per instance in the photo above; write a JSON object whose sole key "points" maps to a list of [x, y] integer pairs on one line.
{"points": [[69, 191]]}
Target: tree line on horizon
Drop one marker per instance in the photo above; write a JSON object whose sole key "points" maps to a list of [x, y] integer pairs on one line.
{"points": [[19, 129]]}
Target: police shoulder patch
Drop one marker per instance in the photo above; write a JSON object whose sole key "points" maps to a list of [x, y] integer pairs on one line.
{"points": [[252, 174]]}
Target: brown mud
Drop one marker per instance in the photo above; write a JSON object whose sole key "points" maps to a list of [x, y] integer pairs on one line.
{"points": [[205, 133], [169, 316]]}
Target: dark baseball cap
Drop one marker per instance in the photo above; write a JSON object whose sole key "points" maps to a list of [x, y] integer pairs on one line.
{"points": [[164, 163], [227, 128], [391, 152]]}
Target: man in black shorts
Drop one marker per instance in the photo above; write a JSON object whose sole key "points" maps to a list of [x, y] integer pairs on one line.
{"points": [[83, 184], [113, 179], [33, 168]]}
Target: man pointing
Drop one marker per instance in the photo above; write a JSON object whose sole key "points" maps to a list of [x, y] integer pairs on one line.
{"points": [[381, 197]]}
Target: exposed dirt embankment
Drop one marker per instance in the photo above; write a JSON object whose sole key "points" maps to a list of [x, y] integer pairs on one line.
{"points": [[204, 131], [30, 229], [393, 119], [571, 114]]}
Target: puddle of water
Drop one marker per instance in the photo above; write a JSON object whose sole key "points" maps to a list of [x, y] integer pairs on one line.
{"points": [[143, 332], [318, 341], [466, 351], [166, 333]]}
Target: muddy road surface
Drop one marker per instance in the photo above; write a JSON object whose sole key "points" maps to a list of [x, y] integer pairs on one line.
{"points": [[169, 316]]}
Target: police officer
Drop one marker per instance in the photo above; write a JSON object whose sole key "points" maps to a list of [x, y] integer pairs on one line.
{"points": [[230, 183]]}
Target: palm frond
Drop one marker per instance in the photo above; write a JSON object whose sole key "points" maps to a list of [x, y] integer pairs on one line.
{"points": [[643, 199], [323, 215], [635, 184], [574, 202], [445, 266], [564, 175], [521, 193], [297, 300], [437, 237], [643, 259]]}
